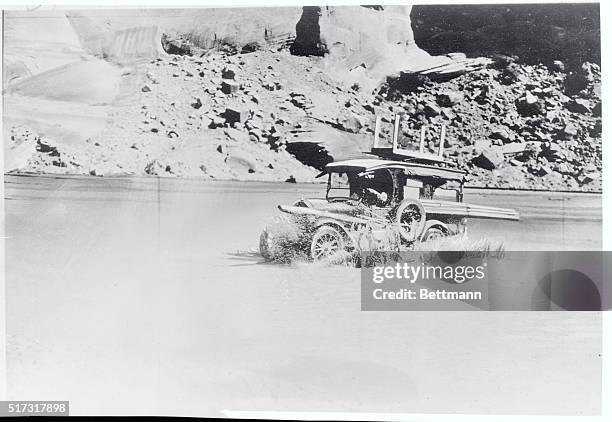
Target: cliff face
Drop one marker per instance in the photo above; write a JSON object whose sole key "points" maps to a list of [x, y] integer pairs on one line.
{"points": [[128, 36], [535, 33], [375, 40], [30, 48], [378, 41], [362, 44], [370, 34]]}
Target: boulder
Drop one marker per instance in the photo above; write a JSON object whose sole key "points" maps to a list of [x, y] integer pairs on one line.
{"points": [[449, 98], [488, 160], [558, 65], [197, 104], [510, 74], [270, 86], [552, 152], [542, 170], [482, 95], [431, 109], [229, 87], [235, 115], [570, 130], [216, 121], [529, 105], [298, 100], [250, 47], [550, 102], [228, 72], [581, 79], [514, 148], [587, 178], [579, 105], [447, 113], [46, 147], [176, 45], [481, 145], [552, 115], [352, 123], [503, 134], [541, 136], [563, 168]]}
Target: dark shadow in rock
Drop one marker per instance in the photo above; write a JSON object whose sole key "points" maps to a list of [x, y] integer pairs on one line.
{"points": [[308, 34]]}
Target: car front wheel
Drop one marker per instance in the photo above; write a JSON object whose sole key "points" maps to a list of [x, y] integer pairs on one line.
{"points": [[326, 242]]}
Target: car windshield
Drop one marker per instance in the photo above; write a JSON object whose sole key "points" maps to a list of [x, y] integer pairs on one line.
{"points": [[375, 188], [338, 186]]}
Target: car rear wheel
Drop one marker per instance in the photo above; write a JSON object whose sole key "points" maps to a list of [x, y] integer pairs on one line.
{"points": [[326, 242], [410, 217]]}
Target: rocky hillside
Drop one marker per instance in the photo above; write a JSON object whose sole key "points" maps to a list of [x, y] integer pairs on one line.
{"points": [[272, 104], [512, 125]]}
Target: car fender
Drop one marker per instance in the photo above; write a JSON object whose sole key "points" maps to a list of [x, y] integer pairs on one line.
{"points": [[325, 221], [436, 223]]}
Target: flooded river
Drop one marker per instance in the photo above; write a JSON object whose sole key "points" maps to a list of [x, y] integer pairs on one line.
{"points": [[147, 296]]}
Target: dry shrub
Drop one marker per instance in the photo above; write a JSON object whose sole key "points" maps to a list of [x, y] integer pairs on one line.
{"points": [[285, 239], [339, 258], [482, 245], [376, 246]]}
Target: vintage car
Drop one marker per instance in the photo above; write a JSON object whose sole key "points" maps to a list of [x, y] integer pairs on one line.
{"points": [[387, 188]]}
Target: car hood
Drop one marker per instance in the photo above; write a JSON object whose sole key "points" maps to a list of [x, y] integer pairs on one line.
{"points": [[344, 207]]}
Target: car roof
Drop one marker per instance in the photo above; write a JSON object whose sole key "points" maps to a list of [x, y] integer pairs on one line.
{"points": [[412, 170]]}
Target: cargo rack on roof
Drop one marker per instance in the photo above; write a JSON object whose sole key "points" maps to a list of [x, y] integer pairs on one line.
{"points": [[394, 152]]}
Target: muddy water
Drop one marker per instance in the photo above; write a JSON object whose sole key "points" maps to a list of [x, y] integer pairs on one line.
{"points": [[147, 292]]}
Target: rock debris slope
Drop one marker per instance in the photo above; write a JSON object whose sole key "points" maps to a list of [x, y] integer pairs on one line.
{"points": [[179, 95]]}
